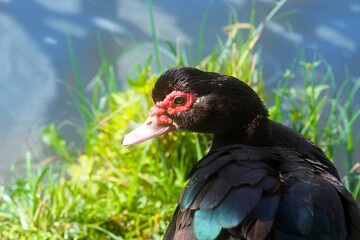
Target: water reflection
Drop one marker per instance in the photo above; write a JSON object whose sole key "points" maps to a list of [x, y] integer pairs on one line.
{"points": [[27, 78], [167, 24], [63, 6], [66, 27], [108, 25], [336, 38]]}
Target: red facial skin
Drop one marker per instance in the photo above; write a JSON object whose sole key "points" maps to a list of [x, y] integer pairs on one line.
{"points": [[167, 105], [158, 122]]}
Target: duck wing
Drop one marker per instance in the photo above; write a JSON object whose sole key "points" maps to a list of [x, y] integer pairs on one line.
{"points": [[249, 192]]}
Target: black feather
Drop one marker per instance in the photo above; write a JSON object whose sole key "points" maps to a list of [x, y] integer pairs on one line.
{"points": [[269, 183], [215, 194], [205, 172], [258, 230], [237, 205], [267, 207], [189, 193]]}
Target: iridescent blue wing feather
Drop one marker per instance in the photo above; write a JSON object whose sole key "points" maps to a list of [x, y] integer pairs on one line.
{"points": [[244, 192]]}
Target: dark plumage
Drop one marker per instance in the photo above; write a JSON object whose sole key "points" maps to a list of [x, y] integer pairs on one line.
{"points": [[260, 179]]}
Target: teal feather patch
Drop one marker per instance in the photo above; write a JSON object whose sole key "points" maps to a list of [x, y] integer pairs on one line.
{"points": [[205, 225], [190, 192]]}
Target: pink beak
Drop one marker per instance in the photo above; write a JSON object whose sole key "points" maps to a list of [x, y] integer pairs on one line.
{"points": [[149, 129]]}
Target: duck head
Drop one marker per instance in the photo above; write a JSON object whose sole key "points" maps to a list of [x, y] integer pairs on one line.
{"points": [[188, 99]]}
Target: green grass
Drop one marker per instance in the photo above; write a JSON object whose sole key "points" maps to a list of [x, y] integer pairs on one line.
{"points": [[105, 191]]}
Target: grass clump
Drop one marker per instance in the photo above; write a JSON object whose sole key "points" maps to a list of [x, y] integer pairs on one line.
{"points": [[110, 192]]}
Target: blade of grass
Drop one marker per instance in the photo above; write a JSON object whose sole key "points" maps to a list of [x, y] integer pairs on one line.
{"points": [[153, 32], [84, 112], [161, 156], [199, 153], [107, 232], [35, 191], [134, 183], [201, 31]]}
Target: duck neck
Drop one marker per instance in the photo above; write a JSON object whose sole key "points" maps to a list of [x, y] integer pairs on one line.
{"points": [[257, 133]]}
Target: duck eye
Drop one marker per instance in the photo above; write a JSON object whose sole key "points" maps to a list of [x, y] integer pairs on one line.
{"points": [[179, 100]]}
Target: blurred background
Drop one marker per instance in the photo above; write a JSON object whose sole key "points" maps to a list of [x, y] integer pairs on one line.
{"points": [[36, 67]]}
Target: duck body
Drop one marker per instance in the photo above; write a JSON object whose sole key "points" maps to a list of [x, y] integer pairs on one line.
{"points": [[259, 180], [286, 189]]}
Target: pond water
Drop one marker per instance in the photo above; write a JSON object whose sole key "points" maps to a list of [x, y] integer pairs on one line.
{"points": [[35, 61]]}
